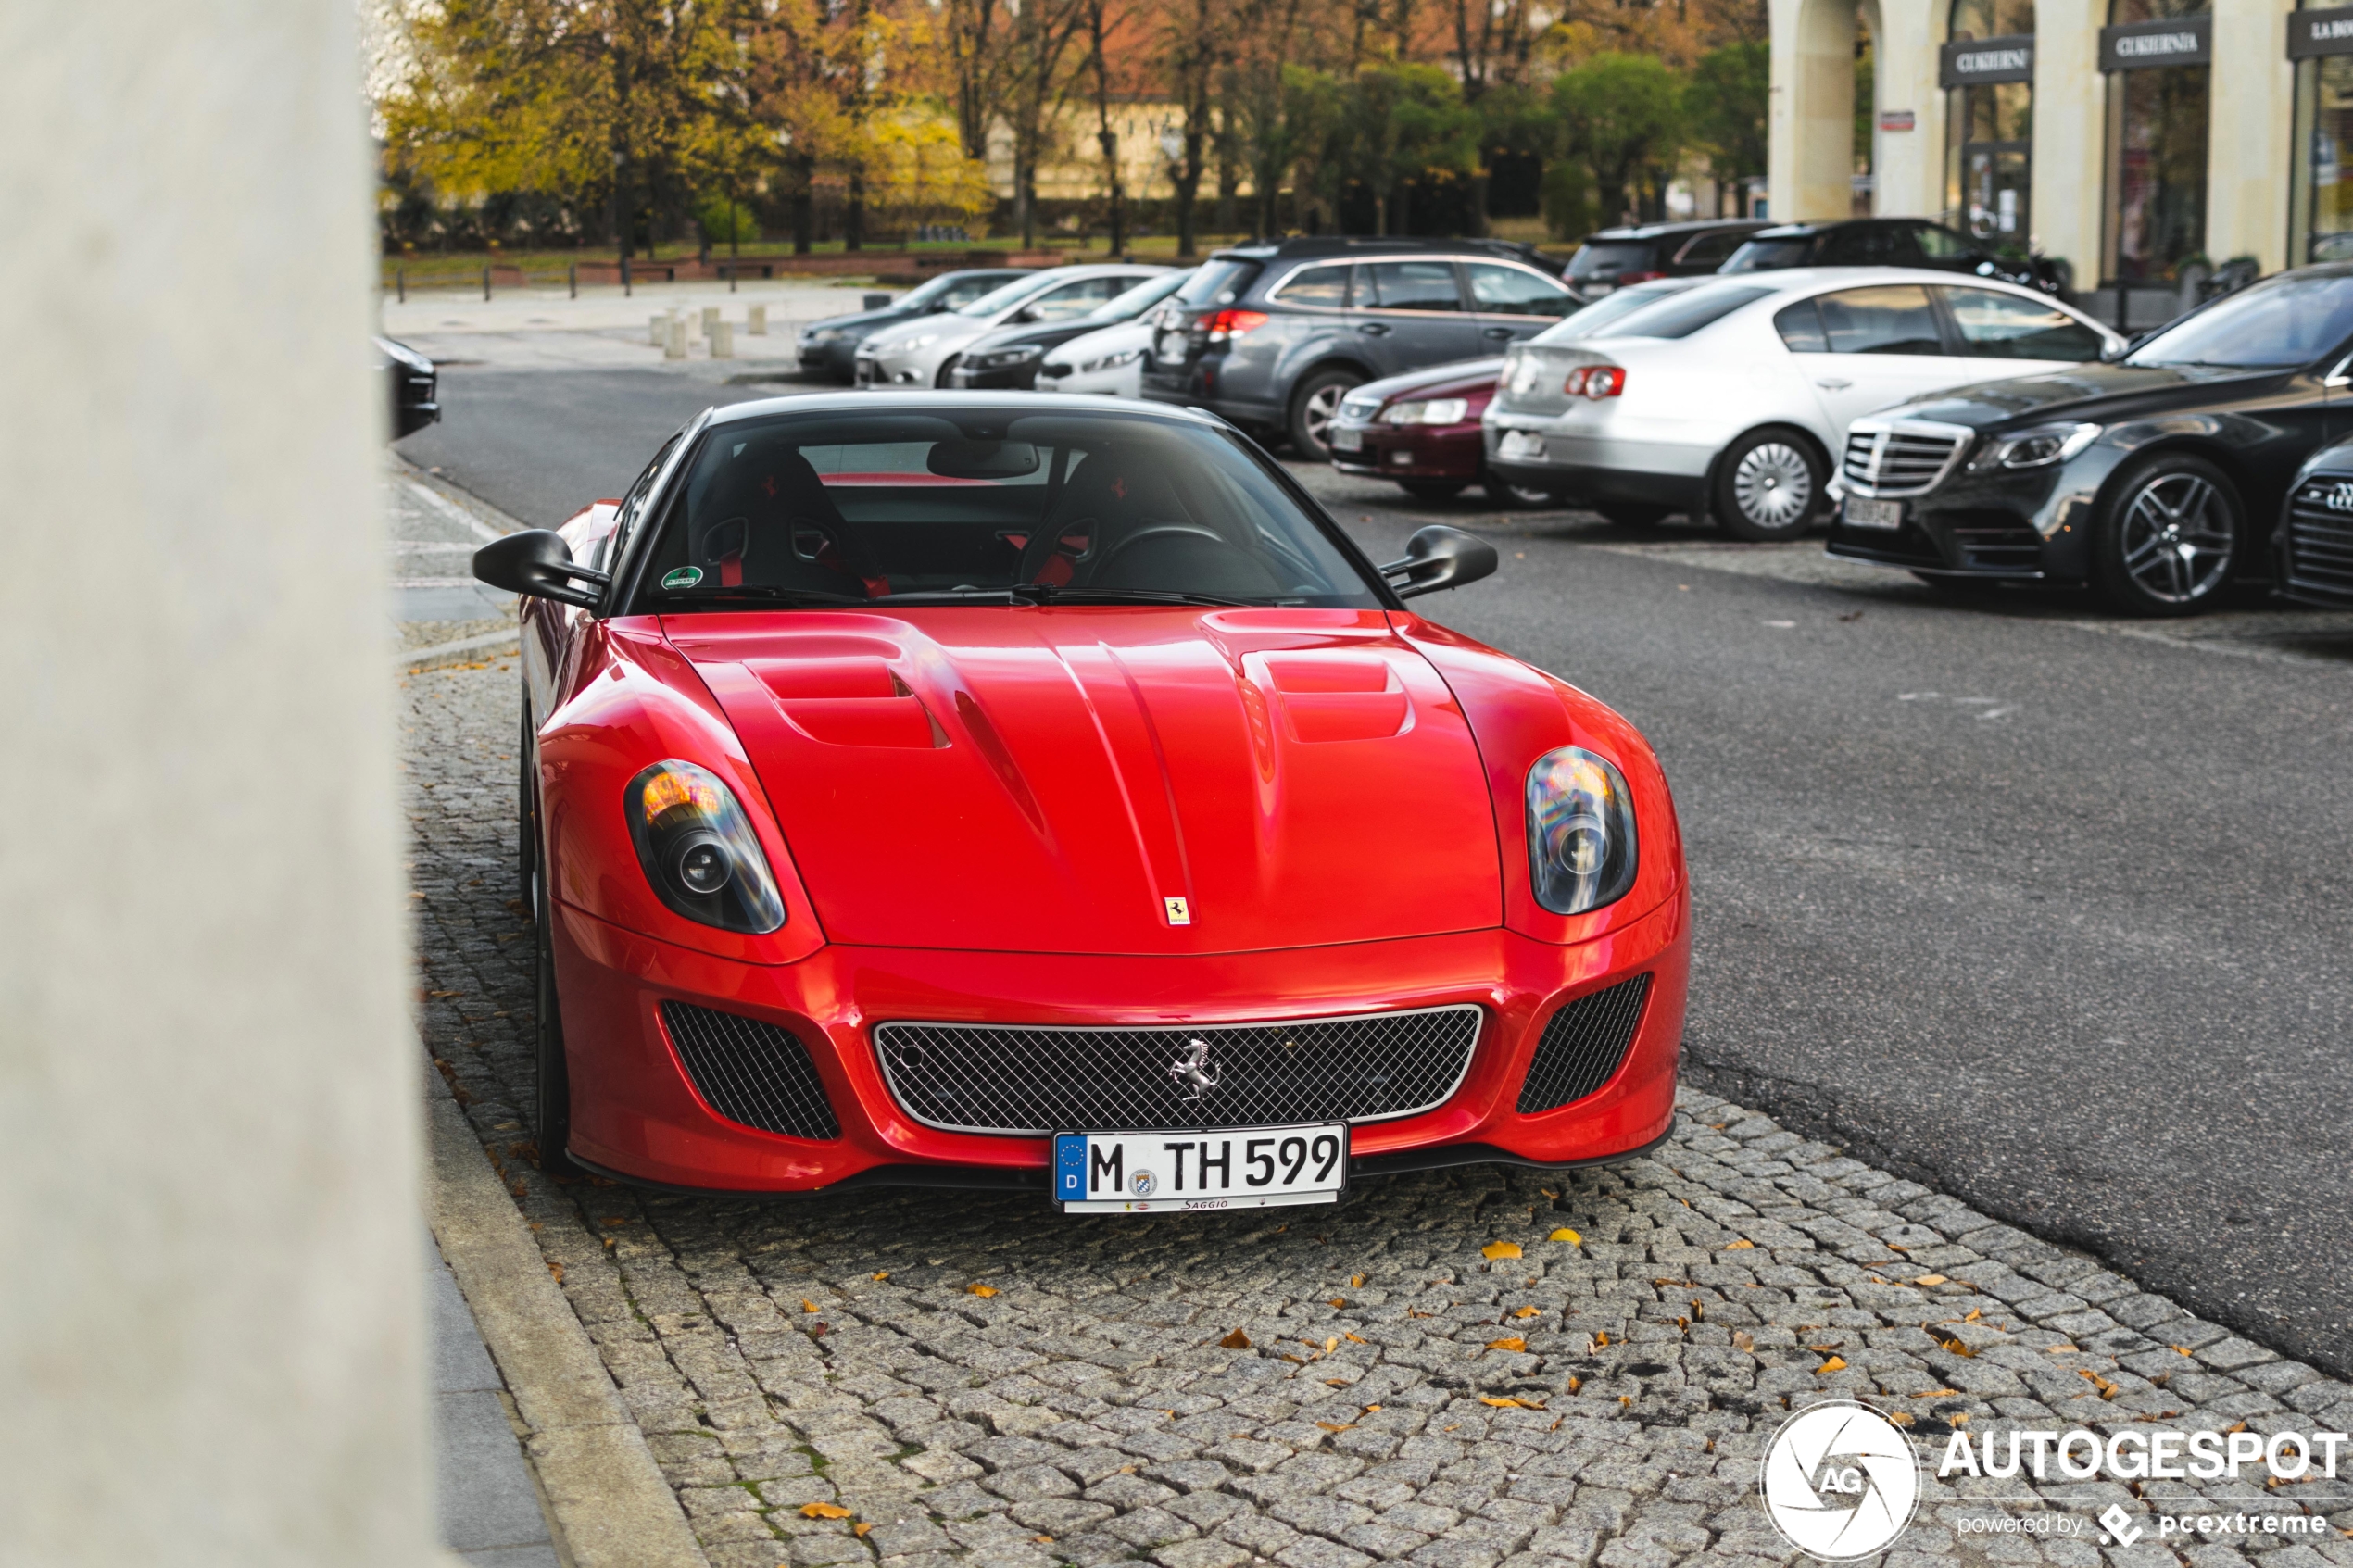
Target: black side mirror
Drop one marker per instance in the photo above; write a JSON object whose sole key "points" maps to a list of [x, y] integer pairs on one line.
{"points": [[538, 562], [1022, 317], [1438, 556]]}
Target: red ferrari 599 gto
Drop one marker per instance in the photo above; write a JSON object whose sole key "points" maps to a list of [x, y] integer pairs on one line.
{"points": [[1042, 794]]}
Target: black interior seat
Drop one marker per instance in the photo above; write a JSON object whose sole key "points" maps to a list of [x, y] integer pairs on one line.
{"points": [[767, 521]]}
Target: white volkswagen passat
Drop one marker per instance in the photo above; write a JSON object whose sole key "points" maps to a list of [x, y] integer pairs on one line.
{"points": [[1729, 398], [921, 353]]}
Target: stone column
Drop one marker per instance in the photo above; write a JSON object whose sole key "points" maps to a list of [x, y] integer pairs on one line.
{"points": [[210, 1307], [2250, 126]]}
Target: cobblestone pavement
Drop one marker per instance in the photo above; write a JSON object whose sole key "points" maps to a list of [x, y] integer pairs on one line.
{"points": [[1438, 1371]]}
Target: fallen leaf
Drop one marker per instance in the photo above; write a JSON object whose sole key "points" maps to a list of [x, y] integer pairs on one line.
{"points": [[2060, 1350], [1500, 1249], [2235, 1426], [1237, 1340], [616, 1220], [1514, 1344], [1956, 1345], [558, 1270], [2108, 1389], [1625, 1399], [1548, 1192], [807, 1305], [1338, 1302], [1600, 1339], [2180, 1350], [443, 993], [1501, 1402], [1565, 1234], [1355, 1338], [1529, 1313], [1336, 1383], [983, 1291], [613, 1241], [1331, 1345], [1743, 1340], [1930, 1279], [1043, 1540], [1337, 1426], [1958, 1418], [1974, 1313], [884, 1273], [1293, 1360], [1370, 1408], [1357, 1282], [823, 1510], [1836, 1363], [1821, 1350], [1937, 1394], [1575, 1384], [1741, 1246], [860, 1529]]}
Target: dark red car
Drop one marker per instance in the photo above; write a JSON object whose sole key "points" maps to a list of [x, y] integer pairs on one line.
{"points": [[1042, 792], [1421, 430]]}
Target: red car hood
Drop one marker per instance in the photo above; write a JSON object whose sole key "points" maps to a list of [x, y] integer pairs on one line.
{"points": [[1050, 780]]}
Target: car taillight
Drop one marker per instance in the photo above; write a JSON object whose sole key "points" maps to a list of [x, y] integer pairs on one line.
{"points": [[1224, 324], [1626, 278], [1595, 382]]}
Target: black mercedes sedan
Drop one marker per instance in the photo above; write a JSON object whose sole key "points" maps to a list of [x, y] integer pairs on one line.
{"points": [[829, 348], [2155, 478], [2313, 547]]}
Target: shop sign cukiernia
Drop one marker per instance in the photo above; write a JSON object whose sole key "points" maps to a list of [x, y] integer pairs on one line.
{"points": [[1985, 60], [2183, 41]]}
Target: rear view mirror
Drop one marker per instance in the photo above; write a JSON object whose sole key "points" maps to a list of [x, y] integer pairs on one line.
{"points": [[1438, 556], [538, 563], [969, 459]]}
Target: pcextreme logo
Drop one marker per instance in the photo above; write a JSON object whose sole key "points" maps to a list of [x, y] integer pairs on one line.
{"points": [[1840, 1481]]}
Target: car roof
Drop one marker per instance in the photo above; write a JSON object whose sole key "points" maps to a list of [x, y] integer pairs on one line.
{"points": [[1666, 231], [1014, 402], [1825, 225], [1340, 246], [1796, 280]]}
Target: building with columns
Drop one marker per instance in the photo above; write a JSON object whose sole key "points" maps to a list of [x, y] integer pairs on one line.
{"points": [[2129, 137]]}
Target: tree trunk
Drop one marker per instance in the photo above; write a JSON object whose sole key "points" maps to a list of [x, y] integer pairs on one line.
{"points": [[853, 212], [1478, 203], [804, 214]]}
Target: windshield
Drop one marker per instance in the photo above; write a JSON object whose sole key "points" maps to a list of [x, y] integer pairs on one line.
{"points": [[1611, 307], [1682, 315], [1765, 256], [2282, 321], [1218, 282], [996, 299], [1607, 258], [923, 294], [984, 505], [1135, 301]]}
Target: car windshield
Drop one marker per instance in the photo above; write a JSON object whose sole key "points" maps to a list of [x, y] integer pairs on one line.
{"points": [[989, 506], [1610, 307], [2282, 321], [923, 294], [996, 299], [1218, 282], [1680, 315], [1135, 301], [1607, 258], [1765, 255]]}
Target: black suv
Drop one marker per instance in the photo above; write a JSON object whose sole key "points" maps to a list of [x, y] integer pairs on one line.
{"points": [[1881, 242], [1273, 336], [1615, 257]]}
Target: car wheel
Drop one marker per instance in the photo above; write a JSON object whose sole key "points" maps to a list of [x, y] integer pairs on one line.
{"points": [[552, 1123], [1769, 485], [944, 380], [1526, 496], [2167, 543], [526, 820], [1631, 514], [1433, 489], [1314, 406]]}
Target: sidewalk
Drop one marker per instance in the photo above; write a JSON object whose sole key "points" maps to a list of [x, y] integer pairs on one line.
{"points": [[489, 1505]]}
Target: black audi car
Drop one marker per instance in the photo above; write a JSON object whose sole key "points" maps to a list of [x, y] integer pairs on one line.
{"points": [[2155, 478], [829, 348], [2313, 545], [412, 386], [1007, 358]]}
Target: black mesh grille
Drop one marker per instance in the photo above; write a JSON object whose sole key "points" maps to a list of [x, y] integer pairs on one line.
{"points": [[993, 1078], [2320, 538], [1582, 1044], [751, 1071]]}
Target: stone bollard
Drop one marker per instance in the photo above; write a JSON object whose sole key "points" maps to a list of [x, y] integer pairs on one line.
{"points": [[723, 339], [709, 318], [675, 348], [756, 320], [657, 330]]}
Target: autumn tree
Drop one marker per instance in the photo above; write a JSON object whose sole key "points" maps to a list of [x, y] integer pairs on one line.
{"points": [[1623, 116], [1724, 104]]}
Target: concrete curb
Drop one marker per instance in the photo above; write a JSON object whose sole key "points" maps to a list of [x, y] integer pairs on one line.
{"points": [[465, 650], [611, 1506]]}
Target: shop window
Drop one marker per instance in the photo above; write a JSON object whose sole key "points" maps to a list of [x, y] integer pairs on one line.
{"points": [[1989, 129], [2321, 212], [2156, 137]]}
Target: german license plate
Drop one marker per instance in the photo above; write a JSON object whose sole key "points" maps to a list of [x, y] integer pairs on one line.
{"points": [[1862, 512], [1519, 446], [1348, 440], [1171, 1172]]}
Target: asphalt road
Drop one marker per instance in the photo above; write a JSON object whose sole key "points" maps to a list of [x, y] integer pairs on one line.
{"points": [[2054, 919]]}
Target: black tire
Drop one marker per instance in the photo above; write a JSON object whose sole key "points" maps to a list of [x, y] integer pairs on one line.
{"points": [[2169, 537], [945, 378], [1769, 485], [1527, 497], [551, 1122], [526, 821], [1315, 402], [1433, 489], [1632, 514]]}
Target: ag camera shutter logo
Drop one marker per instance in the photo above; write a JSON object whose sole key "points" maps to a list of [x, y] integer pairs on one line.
{"points": [[1840, 1481]]}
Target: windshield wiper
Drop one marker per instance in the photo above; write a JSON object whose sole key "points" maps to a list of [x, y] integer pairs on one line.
{"points": [[1046, 593], [765, 594]]}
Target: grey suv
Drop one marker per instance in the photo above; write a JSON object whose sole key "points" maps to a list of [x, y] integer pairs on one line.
{"points": [[1273, 336]]}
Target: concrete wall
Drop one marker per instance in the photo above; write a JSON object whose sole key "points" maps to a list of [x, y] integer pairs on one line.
{"points": [[209, 1245], [2070, 132], [1810, 132]]}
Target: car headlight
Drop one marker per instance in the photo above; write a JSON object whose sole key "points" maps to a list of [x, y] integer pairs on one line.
{"points": [[821, 334], [2036, 448], [1113, 361], [698, 850], [1021, 354], [1435, 411], [1580, 832]]}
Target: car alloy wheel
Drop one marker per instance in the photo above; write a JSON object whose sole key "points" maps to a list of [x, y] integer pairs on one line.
{"points": [[1314, 408], [1773, 485], [2176, 536]]}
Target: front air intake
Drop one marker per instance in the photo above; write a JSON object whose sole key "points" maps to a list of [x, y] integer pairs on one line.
{"points": [[751, 1072], [1582, 1044]]}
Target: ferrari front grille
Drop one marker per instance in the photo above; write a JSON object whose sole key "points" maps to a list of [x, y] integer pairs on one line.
{"points": [[1582, 1044], [1035, 1079], [751, 1072]]}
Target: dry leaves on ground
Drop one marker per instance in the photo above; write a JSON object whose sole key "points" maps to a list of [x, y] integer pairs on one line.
{"points": [[1500, 1249], [1570, 1236], [823, 1510], [1237, 1340]]}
